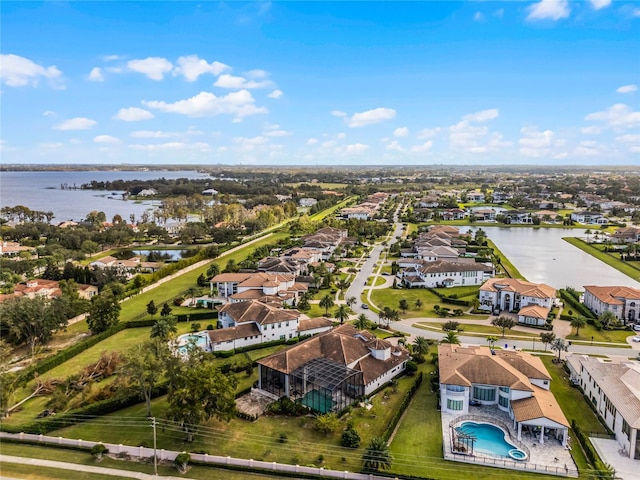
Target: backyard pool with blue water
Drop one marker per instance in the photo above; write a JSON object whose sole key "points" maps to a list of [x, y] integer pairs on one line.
{"points": [[490, 440]]}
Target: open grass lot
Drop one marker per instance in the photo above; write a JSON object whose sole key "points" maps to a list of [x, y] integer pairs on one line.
{"points": [[390, 297], [417, 445], [167, 291], [630, 269], [482, 330], [462, 292], [257, 440], [588, 331], [84, 458]]}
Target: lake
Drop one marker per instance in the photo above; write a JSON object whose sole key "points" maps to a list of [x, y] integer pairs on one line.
{"points": [[542, 256], [41, 191]]}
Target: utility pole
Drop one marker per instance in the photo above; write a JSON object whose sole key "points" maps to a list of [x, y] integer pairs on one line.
{"points": [[155, 456]]}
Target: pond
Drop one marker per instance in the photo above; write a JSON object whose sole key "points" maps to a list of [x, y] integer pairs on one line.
{"points": [[164, 255], [542, 256]]}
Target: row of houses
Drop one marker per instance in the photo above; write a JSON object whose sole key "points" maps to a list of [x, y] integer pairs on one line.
{"points": [[48, 289], [367, 209]]}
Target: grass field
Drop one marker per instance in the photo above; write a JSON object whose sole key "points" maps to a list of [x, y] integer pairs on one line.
{"points": [[391, 297], [473, 330], [610, 259], [589, 331]]}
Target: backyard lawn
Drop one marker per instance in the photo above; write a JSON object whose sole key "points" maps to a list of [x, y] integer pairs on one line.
{"points": [[588, 331], [390, 297], [257, 440]]}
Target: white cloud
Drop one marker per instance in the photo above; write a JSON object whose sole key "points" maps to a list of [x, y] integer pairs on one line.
{"points": [[635, 12], [535, 143], [249, 144], [78, 123], [206, 104], [275, 94], [599, 4], [629, 138], [49, 113], [587, 149], [425, 147], [478, 17], [257, 74], [499, 13], [482, 116], [616, 116], [627, 88], [52, 145], [172, 146], [231, 81], [428, 132], [328, 144], [278, 133], [153, 134], [133, 114], [591, 130], [191, 67], [338, 113], [396, 147], [370, 117], [341, 136], [106, 139], [549, 9], [465, 135], [312, 141], [17, 71], [152, 67], [111, 58], [356, 148], [96, 75], [401, 132]]}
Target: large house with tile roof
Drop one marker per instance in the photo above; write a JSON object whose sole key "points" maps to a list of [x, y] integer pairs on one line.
{"points": [[240, 287], [325, 240], [623, 302], [516, 382], [512, 295], [614, 389], [441, 273], [330, 371]]}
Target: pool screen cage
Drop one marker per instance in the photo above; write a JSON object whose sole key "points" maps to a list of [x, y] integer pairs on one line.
{"points": [[461, 441], [326, 386]]}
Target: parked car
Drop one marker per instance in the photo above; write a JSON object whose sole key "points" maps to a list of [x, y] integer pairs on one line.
{"points": [[636, 338], [636, 327], [365, 306], [475, 403]]}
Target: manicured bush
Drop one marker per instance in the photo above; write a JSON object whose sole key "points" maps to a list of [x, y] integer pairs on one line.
{"points": [[182, 461], [98, 450], [350, 438]]}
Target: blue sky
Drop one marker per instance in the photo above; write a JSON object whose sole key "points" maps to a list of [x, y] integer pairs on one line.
{"points": [[321, 83]]}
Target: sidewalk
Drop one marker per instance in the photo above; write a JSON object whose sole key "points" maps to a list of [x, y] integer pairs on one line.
{"points": [[81, 468]]}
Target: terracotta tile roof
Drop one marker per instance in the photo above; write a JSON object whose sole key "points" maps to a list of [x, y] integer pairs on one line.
{"points": [[256, 311], [536, 311], [612, 295], [526, 363], [233, 333], [231, 277], [529, 289], [541, 405]]}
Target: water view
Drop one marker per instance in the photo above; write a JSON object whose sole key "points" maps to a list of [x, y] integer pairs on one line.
{"points": [[541, 255], [41, 191]]}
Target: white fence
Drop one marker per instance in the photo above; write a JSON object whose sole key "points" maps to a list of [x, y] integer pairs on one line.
{"points": [[512, 465], [170, 455]]}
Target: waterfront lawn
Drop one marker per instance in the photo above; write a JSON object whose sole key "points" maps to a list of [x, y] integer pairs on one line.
{"points": [[258, 440]]}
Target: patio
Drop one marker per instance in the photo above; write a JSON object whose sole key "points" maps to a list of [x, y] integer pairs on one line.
{"points": [[549, 457]]}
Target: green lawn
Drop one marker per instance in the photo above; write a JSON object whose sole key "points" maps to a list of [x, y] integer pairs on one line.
{"points": [[85, 458], [610, 259], [473, 329], [589, 331], [257, 440], [391, 297], [379, 281], [462, 292]]}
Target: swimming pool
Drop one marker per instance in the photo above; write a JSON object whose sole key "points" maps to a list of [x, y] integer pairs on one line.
{"points": [[491, 441], [197, 339]]}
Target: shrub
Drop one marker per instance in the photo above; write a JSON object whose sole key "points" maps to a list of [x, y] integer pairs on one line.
{"points": [[327, 423], [195, 327], [283, 438], [98, 450], [412, 367], [350, 438], [181, 461]]}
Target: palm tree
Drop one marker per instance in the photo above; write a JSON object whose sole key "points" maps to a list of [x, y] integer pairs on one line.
{"points": [[326, 302], [164, 328], [404, 305], [577, 323], [342, 313], [608, 318], [587, 232], [362, 322], [420, 345], [377, 456], [418, 304], [213, 270], [351, 301], [192, 293], [559, 345], [492, 339], [451, 337]]}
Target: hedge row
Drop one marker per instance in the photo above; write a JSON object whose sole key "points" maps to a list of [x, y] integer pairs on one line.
{"points": [[198, 316], [403, 406], [587, 446], [258, 346], [570, 300], [450, 300]]}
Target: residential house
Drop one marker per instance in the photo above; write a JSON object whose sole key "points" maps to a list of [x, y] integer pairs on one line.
{"points": [[512, 294], [440, 273], [252, 322], [501, 197], [484, 214], [535, 315], [517, 383], [589, 218], [326, 241], [626, 235], [13, 249], [475, 196], [307, 202], [453, 214], [428, 202], [360, 213], [614, 389], [517, 217], [147, 192], [332, 370], [623, 302], [240, 287], [48, 289]]}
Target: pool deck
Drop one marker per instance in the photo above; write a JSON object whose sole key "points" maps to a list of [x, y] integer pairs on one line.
{"points": [[550, 457]]}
